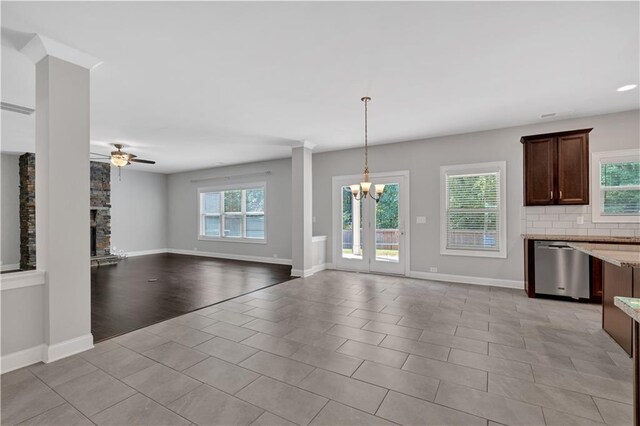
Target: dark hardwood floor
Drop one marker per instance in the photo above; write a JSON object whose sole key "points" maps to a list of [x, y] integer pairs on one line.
{"points": [[144, 290]]}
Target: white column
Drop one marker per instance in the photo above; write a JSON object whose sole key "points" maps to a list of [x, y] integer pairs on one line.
{"points": [[302, 214], [62, 193]]}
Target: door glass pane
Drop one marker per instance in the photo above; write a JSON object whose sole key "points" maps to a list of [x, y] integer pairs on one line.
{"points": [[387, 225], [255, 226], [232, 225], [212, 226], [352, 242]]}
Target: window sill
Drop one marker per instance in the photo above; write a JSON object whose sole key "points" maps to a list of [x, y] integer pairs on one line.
{"points": [[232, 240], [615, 219], [474, 253]]}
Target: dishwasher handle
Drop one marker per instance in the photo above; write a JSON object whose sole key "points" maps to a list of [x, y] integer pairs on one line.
{"points": [[556, 247]]}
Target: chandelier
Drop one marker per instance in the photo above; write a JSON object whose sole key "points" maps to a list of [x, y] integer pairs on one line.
{"points": [[363, 189]]}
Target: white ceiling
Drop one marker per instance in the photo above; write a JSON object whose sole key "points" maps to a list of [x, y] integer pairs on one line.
{"points": [[193, 85]]}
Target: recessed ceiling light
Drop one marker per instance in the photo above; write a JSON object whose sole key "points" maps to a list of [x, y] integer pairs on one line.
{"points": [[627, 87], [551, 114]]}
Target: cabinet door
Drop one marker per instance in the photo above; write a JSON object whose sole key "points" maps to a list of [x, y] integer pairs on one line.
{"points": [[539, 165], [617, 281], [573, 169]]}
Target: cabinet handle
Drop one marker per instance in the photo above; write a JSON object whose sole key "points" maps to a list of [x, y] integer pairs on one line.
{"points": [[560, 194], [551, 195]]}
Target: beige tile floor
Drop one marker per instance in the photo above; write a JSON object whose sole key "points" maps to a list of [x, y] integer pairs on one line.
{"points": [[343, 349]]}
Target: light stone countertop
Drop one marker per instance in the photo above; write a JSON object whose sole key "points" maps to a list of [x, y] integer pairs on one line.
{"points": [[589, 238], [629, 306], [623, 255]]}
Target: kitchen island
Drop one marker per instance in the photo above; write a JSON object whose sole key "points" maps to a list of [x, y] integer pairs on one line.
{"points": [[620, 277], [631, 307]]}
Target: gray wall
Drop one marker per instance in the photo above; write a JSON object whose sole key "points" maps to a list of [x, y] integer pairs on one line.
{"points": [[183, 209], [10, 202], [424, 158], [138, 210]]}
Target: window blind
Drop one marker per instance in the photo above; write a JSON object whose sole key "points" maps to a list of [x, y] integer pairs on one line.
{"points": [[619, 187], [473, 211], [233, 213]]}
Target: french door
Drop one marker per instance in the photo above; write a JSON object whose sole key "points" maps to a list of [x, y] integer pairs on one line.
{"points": [[370, 236]]}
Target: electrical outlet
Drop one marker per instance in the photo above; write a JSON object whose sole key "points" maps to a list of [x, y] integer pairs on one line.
{"points": [[580, 220], [433, 269], [195, 249], [421, 219], [313, 219], [275, 255]]}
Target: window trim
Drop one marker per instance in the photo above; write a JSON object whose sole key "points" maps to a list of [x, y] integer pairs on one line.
{"points": [[476, 168], [596, 198], [231, 187]]}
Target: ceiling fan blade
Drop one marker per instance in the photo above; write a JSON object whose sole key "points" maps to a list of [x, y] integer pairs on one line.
{"points": [[101, 155], [138, 160]]}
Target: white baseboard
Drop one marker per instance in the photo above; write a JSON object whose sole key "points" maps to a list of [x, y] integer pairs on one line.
{"points": [[22, 358], [310, 271], [465, 279], [69, 347], [10, 267], [258, 259], [320, 267], [302, 273], [146, 252], [44, 353]]}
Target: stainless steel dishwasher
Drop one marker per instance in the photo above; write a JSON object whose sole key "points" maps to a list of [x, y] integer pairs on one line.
{"points": [[561, 270]]}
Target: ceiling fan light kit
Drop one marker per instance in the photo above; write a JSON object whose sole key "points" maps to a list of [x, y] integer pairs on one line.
{"points": [[363, 189], [119, 158]]}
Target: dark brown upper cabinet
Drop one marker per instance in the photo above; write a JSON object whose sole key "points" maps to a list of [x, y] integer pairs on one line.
{"points": [[556, 168]]}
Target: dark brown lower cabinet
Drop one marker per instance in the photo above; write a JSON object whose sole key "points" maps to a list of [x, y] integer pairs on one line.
{"points": [[625, 282], [596, 279]]}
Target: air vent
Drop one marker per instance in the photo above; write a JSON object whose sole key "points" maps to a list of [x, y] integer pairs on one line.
{"points": [[16, 108]]}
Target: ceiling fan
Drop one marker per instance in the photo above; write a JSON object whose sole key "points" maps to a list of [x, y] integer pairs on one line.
{"points": [[119, 158]]}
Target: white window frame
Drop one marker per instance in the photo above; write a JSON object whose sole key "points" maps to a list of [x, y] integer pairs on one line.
{"points": [[243, 214], [471, 169], [624, 155]]}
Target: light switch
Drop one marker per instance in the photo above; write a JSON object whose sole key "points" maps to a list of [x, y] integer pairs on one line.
{"points": [[580, 220], [421, 219]]}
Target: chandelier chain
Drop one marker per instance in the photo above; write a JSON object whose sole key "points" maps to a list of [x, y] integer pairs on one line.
{"points": [[366, 135]]}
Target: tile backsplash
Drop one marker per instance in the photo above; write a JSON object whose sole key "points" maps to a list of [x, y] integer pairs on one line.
{"points": [[563, 220]]}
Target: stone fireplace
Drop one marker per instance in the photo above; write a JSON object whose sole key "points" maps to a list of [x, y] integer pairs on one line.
{"points": [[27, 172], [100, 209]]}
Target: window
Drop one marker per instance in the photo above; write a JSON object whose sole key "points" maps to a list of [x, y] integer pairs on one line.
{"points": [[472, 210], [233, 214], [616, 186]]}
